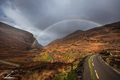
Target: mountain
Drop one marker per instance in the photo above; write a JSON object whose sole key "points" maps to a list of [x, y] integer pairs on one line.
{"points": [[15, 39], [76, 32], [94, 40]]}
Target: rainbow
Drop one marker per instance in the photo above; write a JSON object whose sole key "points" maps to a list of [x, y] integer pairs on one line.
{"points": [[63, 22]]}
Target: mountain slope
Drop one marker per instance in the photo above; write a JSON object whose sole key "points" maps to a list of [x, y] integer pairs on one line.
{"points": [[15, 39], [76, 32], [90, 41]]}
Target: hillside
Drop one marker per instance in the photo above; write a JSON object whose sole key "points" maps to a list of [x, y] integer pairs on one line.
{"points": [[91, 41], [15, 42], [13, 38], [76, 32], [63, 57]]}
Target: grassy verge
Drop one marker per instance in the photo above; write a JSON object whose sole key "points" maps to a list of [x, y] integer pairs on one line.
{"points": [[91, 71], [65, 75], [69, 73]]}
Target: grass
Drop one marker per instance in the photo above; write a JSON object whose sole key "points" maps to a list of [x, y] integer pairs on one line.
{"points": [[37, 75], [43, 50], [34, 49], [67, 56], [69, 73], [71, 76], [66, 75], [108, 60], [91, 71], [45, 58]]}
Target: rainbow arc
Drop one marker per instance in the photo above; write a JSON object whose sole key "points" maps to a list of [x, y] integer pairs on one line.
{"points": [[60, 22]]}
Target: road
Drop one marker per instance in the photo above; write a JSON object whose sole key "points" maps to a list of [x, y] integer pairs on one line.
{"points": [[4, 62], [96, 69], [50, 54], [8, 76]]}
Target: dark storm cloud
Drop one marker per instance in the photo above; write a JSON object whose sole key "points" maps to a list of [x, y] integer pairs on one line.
{"points": [[2, 2], [36, 15]]}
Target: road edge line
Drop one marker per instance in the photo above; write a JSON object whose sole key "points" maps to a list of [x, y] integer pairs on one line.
{"points": [[110, 66]]}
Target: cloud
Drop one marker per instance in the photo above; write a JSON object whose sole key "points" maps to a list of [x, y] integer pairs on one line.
{"points": [[17, 19], [36, 15]]}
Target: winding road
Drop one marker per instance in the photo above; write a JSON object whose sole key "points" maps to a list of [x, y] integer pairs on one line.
{"points": [[9, 73], [50, 54], [96, 69], [9, 63]]}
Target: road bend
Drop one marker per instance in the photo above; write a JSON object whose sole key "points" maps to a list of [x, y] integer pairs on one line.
{"points": [[97, 69]]}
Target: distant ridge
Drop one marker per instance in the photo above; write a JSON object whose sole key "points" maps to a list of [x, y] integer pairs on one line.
{"points": [[92, 40], [76, 32]]}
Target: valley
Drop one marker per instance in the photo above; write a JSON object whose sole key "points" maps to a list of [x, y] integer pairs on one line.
{"points": [[62, 59]]}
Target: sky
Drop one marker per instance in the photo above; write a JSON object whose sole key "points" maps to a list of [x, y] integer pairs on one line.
{"points": [[61, 16]]}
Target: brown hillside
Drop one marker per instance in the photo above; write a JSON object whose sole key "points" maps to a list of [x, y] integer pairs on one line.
{"points": [[93, 40], [13, 38], [76, 32], [15, 42]]}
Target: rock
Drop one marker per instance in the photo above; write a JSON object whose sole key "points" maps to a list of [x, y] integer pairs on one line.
{"points": [[79, 77]]}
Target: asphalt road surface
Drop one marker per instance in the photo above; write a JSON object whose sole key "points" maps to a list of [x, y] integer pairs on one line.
{"points": [[52, 56], [96, 69], [4, 62]]}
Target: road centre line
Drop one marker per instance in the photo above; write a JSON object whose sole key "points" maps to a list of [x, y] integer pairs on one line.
{"points": [[96, 74], [92, 63]]}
